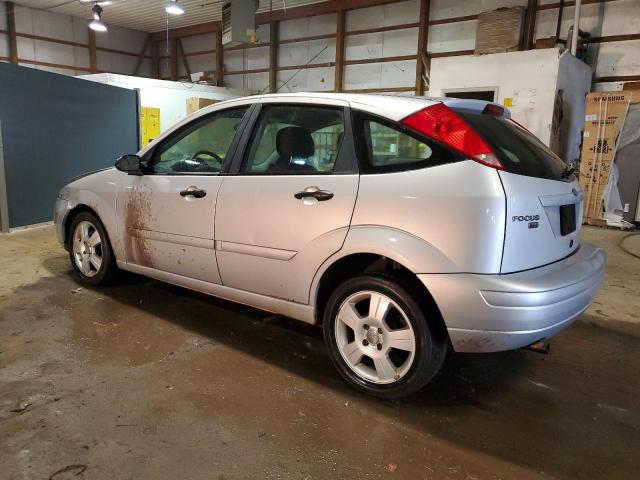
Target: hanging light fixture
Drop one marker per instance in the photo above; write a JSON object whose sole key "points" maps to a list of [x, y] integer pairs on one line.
{"points": [[174, 8], [96, 24]]}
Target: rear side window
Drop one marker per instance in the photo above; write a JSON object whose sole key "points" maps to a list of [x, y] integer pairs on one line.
{"points": [[518, 150], [389, 147], [295, 139]]}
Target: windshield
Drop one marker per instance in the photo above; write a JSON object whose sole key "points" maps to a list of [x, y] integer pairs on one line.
{"points": [[518, 150]]}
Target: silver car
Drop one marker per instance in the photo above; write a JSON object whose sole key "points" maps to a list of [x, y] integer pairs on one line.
{"points": [[405, 226]]}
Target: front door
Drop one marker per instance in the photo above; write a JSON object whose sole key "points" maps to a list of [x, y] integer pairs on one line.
{"points": [[288, 205], [167, 215]]}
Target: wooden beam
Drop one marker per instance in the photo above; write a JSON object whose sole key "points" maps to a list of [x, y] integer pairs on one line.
{"points": [[339, 67], [185, 63], [219, 59], [155, 59], [93, 56], [397, 58], [273, 57], [380, 90], [174, 59], [11, 28], [529, 27], [388, 28], [147, 41], [618, 78], [422, 62], [190, 31]]}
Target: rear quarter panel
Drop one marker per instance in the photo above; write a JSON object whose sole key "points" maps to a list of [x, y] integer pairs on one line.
{"points": [[456, 210]]}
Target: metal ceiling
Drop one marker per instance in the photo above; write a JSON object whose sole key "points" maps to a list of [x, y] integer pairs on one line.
{"points": [[149, 15]]}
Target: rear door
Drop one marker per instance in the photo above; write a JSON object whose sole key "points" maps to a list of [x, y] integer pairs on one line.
{"points": [[543, 199], [287, 205]]}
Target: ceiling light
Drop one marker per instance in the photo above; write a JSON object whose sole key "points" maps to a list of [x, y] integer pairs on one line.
{"points": [[174, 8], [96, 24]]}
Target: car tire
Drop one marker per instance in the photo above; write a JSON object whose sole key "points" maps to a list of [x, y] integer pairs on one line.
{"points": [[90, 250], [382, 339]]}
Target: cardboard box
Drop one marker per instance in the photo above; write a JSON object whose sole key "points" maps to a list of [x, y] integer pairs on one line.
{"points": [[605, 115], [194, 104]]}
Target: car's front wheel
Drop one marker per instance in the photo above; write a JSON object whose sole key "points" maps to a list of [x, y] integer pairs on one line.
{"points": [[379, 337], [90, 250]]}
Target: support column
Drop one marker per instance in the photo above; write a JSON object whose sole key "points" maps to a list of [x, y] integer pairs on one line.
{"points": [[273, 57], [339, 66], [219, 58], [423, 62], [11, 30], [93, 55]]}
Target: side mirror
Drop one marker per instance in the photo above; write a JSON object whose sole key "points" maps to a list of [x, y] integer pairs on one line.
{"points": [[129, 164]]}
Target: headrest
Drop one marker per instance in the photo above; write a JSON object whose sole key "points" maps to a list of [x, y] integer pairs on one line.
{"points": [[294, 142]]}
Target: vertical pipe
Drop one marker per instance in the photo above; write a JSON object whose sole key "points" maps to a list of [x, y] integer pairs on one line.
{"points": [[576, 28]]}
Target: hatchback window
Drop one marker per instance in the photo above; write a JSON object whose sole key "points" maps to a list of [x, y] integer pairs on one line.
{"points": [[387, 147], [202, 147], [295, 139], [518, 150]]}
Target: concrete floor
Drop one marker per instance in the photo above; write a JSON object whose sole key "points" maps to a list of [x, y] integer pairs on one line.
{"points": [[144, 380]]}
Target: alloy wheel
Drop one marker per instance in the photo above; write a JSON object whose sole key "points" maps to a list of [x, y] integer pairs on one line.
{"points": [[87, 248]]}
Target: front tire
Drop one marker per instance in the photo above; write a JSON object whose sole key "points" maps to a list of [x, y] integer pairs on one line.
{"points": [[90, 250], [379, 337]]}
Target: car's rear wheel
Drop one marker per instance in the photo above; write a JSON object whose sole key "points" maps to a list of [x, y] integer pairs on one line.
{"points": [[379, 337], [89, 249]]}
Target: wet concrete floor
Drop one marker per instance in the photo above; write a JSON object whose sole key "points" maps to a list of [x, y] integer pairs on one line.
{"points": [[143, 380]]}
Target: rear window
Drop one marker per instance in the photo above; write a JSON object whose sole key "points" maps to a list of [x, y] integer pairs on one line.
{"points": [[518, 150]]}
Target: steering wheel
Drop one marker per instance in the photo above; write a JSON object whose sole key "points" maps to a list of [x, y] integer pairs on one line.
{"points": [[196, 157]]}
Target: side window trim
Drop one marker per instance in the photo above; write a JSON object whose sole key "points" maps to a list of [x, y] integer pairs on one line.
{"points": [[178, 135], [346, 161]]}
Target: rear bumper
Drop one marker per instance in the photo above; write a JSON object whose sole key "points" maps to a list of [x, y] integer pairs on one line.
{"points": [[489, 313]]}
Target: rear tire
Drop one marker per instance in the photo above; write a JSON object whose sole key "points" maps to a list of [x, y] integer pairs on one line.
{"points": [[90, 250], [380, 339]]}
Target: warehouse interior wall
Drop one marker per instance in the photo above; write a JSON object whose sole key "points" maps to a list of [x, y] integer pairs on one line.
{"points": [[47, 143], [380, 45]]}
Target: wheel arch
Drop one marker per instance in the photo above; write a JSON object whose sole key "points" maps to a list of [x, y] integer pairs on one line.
{"points": [[354, 264]]}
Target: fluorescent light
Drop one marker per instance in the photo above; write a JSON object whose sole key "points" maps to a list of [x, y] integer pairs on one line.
{"points": [[174, 8]]}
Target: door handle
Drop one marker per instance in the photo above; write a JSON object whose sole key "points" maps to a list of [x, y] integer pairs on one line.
{"points": [[314, 192], [193, 192]]}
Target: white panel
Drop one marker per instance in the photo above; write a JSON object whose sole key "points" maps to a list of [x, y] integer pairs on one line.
{"points": [[257, 82], [620, 17], [80, 31], [305, 27], [300, 53], [4, 44], [263, 33], [202, 63], [125, 63], [234, 81], [441, 9], [358, 47], [199, 42], [619, 58], [451, 37], [103, 60], [24, 22], [402, 12], [364, 18], [234, 60], [25, 49], [257, 58], [488, 5], [82, 57], [400, 42], [547, 20], [3, 16], [398, 74], [54, 25], [54, 53], [362, 76]]}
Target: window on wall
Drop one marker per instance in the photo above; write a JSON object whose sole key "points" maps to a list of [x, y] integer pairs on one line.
{"points": [[387, 147], [201, 148], [295, 139]]}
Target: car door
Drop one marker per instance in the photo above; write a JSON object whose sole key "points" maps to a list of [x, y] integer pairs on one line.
{"points": [[166, 216], [287, 205]]}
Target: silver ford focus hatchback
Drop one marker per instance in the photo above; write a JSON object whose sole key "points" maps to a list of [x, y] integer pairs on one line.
{"points": [[405, 226]]}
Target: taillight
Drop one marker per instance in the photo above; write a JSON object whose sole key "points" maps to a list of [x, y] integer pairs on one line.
{"points": [[445, 126]]}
